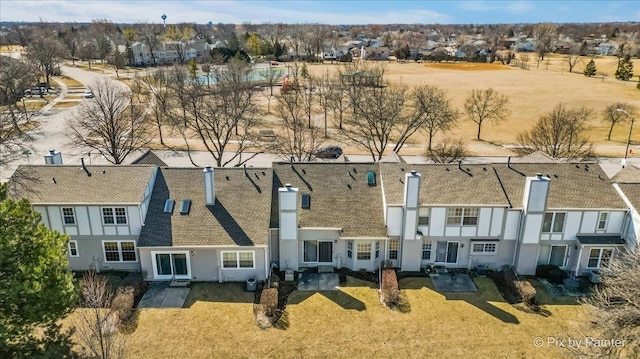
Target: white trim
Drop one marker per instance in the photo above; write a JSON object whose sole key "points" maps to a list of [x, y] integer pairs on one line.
{"points": [[119, 241], [114, 216], [318, 250], [606, 221], [484, 247], [600, 249], [553, 222], [462, 216], [447, 252], [371, 256], [565, 259], [170, 276], [75, 245], [253, 266], [73, 214]]}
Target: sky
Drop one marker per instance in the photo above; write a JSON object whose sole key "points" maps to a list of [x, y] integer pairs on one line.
{"points": [[326, 12]]}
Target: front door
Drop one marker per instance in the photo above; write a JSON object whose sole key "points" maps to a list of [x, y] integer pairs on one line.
{"points": [[446, 252], [558, 256], [325, 252]]}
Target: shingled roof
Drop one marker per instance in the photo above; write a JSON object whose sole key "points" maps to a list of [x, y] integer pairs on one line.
{"points": [[66, 184], [629, 182], [445, 184], [573, 185], [149, 158], [340, 197], [240, 216]]}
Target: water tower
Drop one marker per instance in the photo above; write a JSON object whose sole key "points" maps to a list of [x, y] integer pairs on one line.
{"points": [[164, 19]]}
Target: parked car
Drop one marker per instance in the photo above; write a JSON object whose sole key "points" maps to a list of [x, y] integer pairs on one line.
{"points": [[329, 152], [35, 91], [88, 94]]}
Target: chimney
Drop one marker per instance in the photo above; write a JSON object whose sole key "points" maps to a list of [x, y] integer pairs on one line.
{"points": [[53, 157], [86, 170], [288, 226], [209, 186], [535, 193], [411, 203]]}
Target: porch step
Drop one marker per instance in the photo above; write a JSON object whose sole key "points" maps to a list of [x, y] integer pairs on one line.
{"points": [[180, 283], [325, 269]]}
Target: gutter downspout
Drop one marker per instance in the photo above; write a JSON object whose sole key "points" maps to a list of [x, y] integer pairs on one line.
{"points": [[577, 273], [518, 240], [266, 262]]}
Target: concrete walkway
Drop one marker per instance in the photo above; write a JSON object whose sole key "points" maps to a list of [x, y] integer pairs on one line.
{"points": [[160, 295]]}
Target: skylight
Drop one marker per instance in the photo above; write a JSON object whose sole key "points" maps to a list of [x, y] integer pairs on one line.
{"points": [[168, 205], [185, 206], [306, 201], [371, 178]]}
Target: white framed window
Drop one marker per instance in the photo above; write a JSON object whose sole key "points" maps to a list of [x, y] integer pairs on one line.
{"points": [[484, 248], [114, 215], [423, 216], [426, 251], [73, 248], [68, 216], [377, 250], [349, 249], [462, 216], [238, 259], [599, 257], [553, 222], [171, 264], [119, 251], [603, 217], [363, 251], [393, 248]]}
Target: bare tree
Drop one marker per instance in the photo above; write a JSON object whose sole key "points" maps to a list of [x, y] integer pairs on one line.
{"points": [[150, 36], [223, 115], [486, 105], [15, 77], [447, 151], [573, 58], [545, 34], [47, 52], [96, 325], [431, 112], [110, 123], [159, 98], [378, 111], [117, 60], [614, 117], [270, 76], [560, 134], [614, 309], [297, 140]]}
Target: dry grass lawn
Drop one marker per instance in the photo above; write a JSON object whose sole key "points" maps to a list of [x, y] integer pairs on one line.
{"points": [[70, 82], [217, 322]]}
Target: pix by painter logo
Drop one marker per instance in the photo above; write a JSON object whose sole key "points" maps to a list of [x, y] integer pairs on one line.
{"points": [[568, 342]]}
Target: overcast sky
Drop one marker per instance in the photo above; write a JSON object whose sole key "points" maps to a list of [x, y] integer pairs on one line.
{"points": [[327, 12]]}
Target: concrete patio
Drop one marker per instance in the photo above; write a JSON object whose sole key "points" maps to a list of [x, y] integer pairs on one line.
{"points": [[318, 281], [160, 295], [453, 282]]}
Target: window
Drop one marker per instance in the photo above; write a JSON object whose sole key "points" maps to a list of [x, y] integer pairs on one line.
{"points": [[68, 216], [119, 251], [602, 221], [310, 251], [238, 259], [553, 222], [377, 250], [484, 248], [363, 251], [462, 216], [599, 257], [170, 264], [393, 248], [120, 216], [423, 216], [426, 251], [350, 249], [73, 248]]}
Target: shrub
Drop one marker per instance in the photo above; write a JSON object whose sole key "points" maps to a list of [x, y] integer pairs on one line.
{"points": [[122, 303], [557, 276], [542, 271], [389, 292], [525, 291]]}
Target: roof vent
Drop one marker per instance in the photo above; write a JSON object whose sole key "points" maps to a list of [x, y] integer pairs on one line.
{"points": [[371, 178], [288, 185], [306, 201], [539, 175], [168, 205], [185, 206]]}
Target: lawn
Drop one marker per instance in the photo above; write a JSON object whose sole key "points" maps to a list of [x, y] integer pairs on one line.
{"points": [[217, 321]]}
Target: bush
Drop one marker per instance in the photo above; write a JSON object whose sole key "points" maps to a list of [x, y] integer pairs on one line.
{"points": [[525, 291], [269, 299], [389, 292], [557, 276], [122, 303], [542, 271]]}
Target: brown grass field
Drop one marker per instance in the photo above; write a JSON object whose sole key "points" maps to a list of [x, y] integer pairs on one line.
{"points": [[532, 93], [217, 322]]}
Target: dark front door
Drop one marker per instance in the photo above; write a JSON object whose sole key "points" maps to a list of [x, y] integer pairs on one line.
{"points": [[326, 252]]}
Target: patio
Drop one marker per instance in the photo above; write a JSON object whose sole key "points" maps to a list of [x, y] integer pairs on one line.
{"points": [[453, 282], [161, 295], [318, 281]]}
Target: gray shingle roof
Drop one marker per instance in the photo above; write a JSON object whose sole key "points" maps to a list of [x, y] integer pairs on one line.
{"points": [[632, 192], [240, 216], [445, 184], [149, 158], [629, 174], [340, 197], [61, 184], [573, 185], [601, 239]]}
